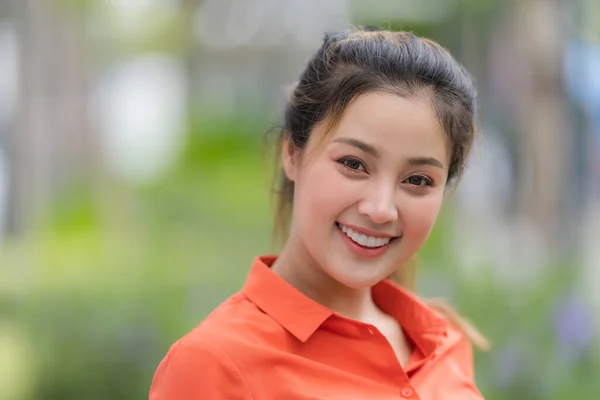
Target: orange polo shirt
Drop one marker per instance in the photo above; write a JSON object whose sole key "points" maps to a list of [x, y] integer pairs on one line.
{"points": [[270, 341]]}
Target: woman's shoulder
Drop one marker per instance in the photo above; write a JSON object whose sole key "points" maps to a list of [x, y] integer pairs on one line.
{"points": [[460, 328], [233, 322], [233, 329], [208, 357], [195, 368], [456, 349]]}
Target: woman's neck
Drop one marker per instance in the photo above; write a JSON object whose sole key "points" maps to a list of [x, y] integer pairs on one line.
{"points": [[301, 271]]}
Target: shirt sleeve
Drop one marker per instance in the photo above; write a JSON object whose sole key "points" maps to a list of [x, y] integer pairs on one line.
{"points": [[192, 371]]}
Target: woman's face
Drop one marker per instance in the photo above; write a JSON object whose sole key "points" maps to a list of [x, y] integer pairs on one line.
{"points": [[367, 199]]}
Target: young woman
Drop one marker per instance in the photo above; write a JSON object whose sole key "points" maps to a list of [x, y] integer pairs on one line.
{"points": [[378, 126]]}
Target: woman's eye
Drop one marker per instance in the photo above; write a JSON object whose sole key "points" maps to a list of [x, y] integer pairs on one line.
{"points": [[419, 181], [353, 164]]}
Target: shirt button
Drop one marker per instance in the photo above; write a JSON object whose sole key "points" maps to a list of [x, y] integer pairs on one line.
{"points": [[407, 392], [371, 331]]}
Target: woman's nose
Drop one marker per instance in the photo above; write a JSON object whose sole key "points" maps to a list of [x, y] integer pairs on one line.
{"points": [[380, 205]]}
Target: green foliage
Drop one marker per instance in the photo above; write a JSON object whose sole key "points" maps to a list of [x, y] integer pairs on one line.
{"points": [[104, 287]]}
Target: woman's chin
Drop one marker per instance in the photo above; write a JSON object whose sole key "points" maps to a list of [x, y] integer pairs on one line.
{"points": [[358, 281]]}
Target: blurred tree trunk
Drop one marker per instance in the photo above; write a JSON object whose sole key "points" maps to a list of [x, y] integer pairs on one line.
{"points": [[50, 141], [543, 115], [193, 53]]}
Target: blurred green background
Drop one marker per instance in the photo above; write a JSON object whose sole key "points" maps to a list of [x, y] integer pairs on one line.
{"points": [[135, 186]]}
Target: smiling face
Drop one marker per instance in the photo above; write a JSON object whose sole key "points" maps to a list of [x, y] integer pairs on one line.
{"points": [[366, 200]]}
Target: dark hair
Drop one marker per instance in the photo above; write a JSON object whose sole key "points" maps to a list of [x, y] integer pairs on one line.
{"points": [[353, 62], [357, 61]]}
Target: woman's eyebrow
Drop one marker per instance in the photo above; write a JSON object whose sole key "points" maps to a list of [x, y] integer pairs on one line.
{"points": [[367, 148], [425, 161]]}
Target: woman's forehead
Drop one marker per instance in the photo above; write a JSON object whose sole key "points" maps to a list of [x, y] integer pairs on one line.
{"points": [[391, 124]]}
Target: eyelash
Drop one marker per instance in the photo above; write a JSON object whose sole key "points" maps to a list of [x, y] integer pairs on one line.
{"points": [[428, 182], [343, 161]]}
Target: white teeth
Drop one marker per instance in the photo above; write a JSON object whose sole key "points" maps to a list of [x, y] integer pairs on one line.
{"points": [[364, 240]]}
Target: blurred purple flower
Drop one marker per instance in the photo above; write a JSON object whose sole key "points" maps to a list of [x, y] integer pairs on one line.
{"points": [[573, 326], [508, 366]]}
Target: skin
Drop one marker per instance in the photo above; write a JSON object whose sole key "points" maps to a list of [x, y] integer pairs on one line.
{"points": [[383, 168]]}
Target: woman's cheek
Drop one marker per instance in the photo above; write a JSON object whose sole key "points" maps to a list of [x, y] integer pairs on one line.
{"points": [[329, 190], [319, 193], [421, 217]]}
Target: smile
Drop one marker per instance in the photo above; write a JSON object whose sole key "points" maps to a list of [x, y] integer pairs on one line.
{"points": [[364, 240]]}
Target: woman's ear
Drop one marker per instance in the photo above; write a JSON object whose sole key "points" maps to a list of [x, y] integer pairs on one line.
{"points": [[290, 158]]}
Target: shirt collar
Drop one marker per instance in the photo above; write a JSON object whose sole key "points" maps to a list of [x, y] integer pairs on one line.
{"points": [[422, 324], [302, 316], [293, 310]]}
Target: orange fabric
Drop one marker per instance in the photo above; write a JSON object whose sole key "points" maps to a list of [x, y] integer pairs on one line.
{"points": [[269, 341]]}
